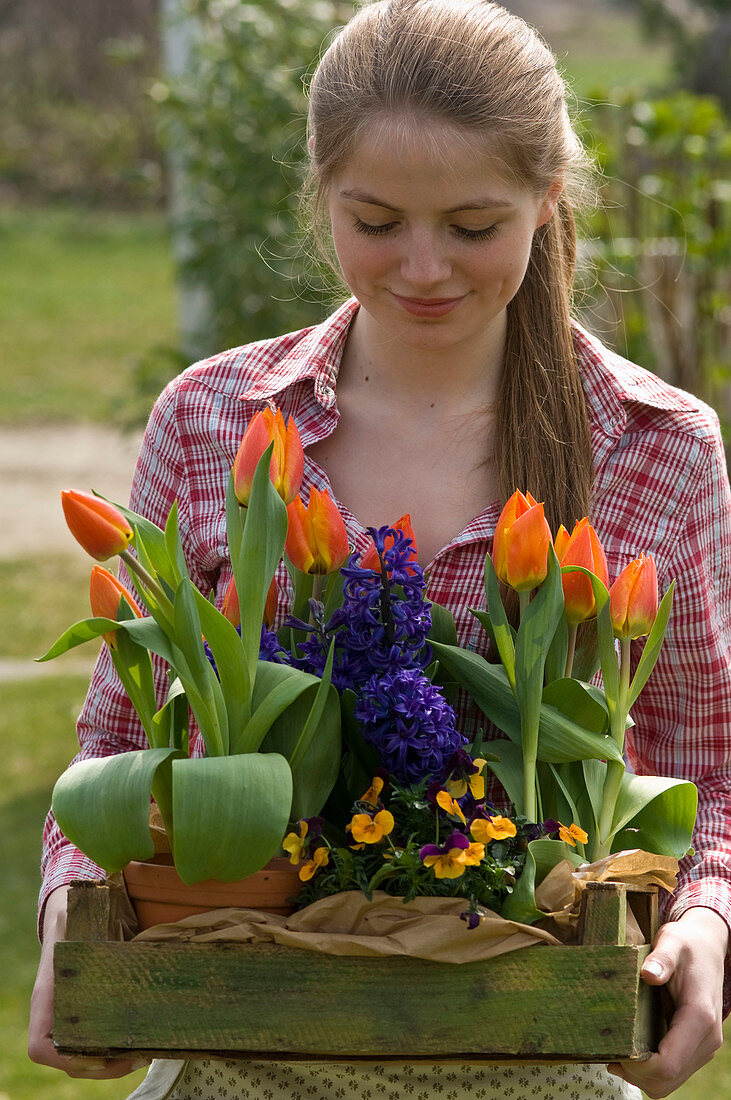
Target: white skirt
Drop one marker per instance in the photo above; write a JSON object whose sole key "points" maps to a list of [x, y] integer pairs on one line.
{"points": [[225, 1079]]}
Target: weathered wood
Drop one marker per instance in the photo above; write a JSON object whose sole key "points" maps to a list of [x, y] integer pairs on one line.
{"points": [[88, 911], [584, 1003], [573, 1003]]}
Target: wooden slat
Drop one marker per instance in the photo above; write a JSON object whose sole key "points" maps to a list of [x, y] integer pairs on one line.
{"points": [[573, 1003]]}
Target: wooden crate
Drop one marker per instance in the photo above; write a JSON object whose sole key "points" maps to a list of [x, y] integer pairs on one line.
{"points": [[577, 1003]]}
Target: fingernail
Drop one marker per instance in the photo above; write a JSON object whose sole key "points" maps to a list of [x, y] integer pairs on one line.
{"points": [[654, 968]]}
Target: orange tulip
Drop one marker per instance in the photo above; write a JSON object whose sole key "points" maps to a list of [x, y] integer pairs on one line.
{"points": [[230, 606], [520, 546], [561, 541], [100, 527], [583, 548], [633, 599], [317, 541], [105, 592], [285, 468], [370, 559]]}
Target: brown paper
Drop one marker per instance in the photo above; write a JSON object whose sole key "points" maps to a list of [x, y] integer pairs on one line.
{"points": [[425, 928]]}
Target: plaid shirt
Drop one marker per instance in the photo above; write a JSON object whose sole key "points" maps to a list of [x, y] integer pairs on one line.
{"points": [[660, 487]]}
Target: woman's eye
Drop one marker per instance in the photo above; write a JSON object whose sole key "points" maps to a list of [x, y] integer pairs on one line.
{"points": [[374, 230], [476, 234]]}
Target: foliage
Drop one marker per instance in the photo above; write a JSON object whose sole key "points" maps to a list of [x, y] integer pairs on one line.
{"points": [[238, 115], [660, 243]]}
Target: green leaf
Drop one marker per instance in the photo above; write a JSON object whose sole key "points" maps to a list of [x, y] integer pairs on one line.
{"points": [[235, 519], [134, 668], [559, 739], [174, 546], [583, 703], [262, 545], [230, 814], [655, 814], [558, 652], [541, 857], [228, 653], [150, 544], [276, 689], [499, 626], [171, 720], [86, 630], [505, 761], [103, 806], [443, 628], [537, 628], [651, 651], [196, 673], [605, 636]]}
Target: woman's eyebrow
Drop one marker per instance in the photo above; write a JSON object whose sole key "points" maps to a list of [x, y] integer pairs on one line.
{"points": [[486, 203]]}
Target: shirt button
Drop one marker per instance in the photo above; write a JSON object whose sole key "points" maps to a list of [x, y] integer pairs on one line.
{"points": [[327, 391]]}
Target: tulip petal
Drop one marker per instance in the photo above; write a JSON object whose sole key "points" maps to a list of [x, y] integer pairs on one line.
{"points": [[297, 544], [96, 524]]}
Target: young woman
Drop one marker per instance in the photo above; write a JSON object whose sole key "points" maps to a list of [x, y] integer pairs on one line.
{"points": [[443, 165]]}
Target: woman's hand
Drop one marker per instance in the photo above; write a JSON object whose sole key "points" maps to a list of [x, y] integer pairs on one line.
{"points": [[40, 1044], [689, 955]]}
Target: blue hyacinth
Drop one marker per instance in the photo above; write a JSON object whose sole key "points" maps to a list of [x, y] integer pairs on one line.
{"points": [[409, 723]]}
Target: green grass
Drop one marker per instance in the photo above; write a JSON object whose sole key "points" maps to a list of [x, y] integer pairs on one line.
{"points": [[40, 599], [37, 734], [83, 296]]}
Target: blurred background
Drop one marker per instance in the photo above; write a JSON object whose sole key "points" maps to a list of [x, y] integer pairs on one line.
{"points": [[150, 155]]}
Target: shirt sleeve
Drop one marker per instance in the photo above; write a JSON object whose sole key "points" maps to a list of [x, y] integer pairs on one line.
{"points": [[683, 716], [108, 723]]}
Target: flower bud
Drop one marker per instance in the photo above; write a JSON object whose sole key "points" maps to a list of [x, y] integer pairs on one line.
{"points": [[583, 548], [98, 525], [520, 546], [317, 541], [287, 462], [105, 592], [633, 599]]}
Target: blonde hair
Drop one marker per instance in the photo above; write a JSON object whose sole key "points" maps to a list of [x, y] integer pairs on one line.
{"points": [[483, 70]]}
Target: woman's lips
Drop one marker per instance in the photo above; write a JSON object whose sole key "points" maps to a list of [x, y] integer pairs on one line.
{"points": [[428, 307]]}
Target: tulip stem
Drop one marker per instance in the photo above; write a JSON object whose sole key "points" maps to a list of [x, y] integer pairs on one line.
{"points": [[615, 769], [148, 581], [524, 595], [571, 650]]}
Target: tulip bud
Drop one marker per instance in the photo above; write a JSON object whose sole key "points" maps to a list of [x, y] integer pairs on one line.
{"points": [[287, 462], [105, 592], [270, 606], [520, 545], [633, 599], [583, 548], [317, 541], [370, 559], [230, 607], [100, 527]]}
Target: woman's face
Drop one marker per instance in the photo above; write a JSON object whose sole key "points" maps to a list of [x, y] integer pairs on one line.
{"points": [[432, 238]]}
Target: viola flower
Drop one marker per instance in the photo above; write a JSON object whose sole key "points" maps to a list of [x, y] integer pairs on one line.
{"points": [[287, 462], [105, 593], [492, 828], [373, 794], [450, 806], [448, 861], [409, 723], [465, 776], [520, 545], [633, 599], [367, 829], [583, 548], [95, 523], [317, 541], [474, 854], [320, 857], [295, 843], [571, 834]]}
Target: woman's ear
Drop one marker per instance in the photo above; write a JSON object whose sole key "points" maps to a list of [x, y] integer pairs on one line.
{"points": [[548, 205]]}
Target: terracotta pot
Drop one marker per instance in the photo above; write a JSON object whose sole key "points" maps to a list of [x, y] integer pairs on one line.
{"points": [[159, 895]]}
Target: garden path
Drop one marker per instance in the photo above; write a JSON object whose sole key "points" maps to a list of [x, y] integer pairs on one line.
{"points": [[36, 463]]}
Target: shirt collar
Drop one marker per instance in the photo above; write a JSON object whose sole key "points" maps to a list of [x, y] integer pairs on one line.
{"points": [[315, 356]]}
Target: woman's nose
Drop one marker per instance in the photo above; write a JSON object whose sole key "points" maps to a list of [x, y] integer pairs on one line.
{"points": [[425, 263]]}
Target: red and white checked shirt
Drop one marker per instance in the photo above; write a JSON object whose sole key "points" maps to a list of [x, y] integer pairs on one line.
{"points": [[661, 487]]}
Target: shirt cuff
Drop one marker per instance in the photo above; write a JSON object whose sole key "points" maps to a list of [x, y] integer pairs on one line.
{"points": [[65, 867]]}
